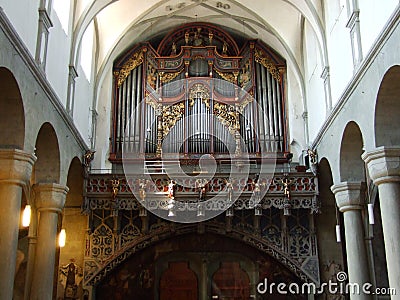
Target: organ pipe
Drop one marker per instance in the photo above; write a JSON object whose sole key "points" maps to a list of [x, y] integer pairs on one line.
{"points": [[261, 122]]}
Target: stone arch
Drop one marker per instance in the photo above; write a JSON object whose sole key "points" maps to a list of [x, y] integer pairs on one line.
{"points": [[75, 184], [74, 223], [12, 116], [47, 166], [387, 109], [351, 148], [329, 250]]}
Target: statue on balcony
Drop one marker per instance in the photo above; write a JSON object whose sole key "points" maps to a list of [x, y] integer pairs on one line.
{"points": [[171, 190]]}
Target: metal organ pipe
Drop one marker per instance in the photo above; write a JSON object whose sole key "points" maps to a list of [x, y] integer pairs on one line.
{"points": [[127, 127], [202, 128], [280, 121], [276, 113], [265, 110], [260, 124], [270, 111]]}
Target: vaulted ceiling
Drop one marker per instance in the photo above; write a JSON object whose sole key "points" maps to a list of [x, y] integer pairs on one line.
{"points": [[279, 23]]}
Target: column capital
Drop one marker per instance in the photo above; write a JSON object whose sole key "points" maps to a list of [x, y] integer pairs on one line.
{"points": [[383, 164], [349, 195], [50, 196], [16, 166]]}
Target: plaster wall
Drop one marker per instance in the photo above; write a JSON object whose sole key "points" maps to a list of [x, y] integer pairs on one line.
{"points": [[359, 98], [41, 104]]}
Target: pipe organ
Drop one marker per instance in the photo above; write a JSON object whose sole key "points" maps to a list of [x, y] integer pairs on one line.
{"points": [[198, 91]]}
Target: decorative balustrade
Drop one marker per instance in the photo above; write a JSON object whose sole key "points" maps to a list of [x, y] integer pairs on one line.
{"points": [[302, 187]]}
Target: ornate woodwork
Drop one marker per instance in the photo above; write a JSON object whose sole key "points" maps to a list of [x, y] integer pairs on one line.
{"points": [[249, 81], [120, 227]]}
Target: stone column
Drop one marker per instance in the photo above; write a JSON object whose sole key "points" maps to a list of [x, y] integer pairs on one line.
{"points": [[349, 199], [384, 169], [15, 173], [49, 200]]}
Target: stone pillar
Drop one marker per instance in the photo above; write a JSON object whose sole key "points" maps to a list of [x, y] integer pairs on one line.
{"points": [[49, 200], [349, 199], [15, 173], [384, 169]]}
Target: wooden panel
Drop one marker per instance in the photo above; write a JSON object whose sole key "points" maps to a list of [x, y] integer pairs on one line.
{"points": [[230, 282], [178, 282]]}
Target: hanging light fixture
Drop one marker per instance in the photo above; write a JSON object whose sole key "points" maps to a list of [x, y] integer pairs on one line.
{"points": [[338, 237], [62, 238], [26, 216]]}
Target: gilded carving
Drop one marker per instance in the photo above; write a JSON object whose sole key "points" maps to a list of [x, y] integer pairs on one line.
{"points": [[151, 76], [134, 61], [227, 115], [171, 115], [263, 59], [167, 77], [227, 76], [245, 76], [199, 91]]}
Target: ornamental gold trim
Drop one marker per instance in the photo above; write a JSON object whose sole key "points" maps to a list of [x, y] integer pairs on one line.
{"points": [[134, 61], [227, 115], [171, 114], [227, 76], [199, 91], [167, 77], [263, 59]]}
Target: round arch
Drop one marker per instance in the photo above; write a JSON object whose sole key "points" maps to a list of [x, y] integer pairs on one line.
{"points": [[12, 116], [166, 232], [331, 253], [387, 109], [351, 148], [75, 184], [47, 166]]}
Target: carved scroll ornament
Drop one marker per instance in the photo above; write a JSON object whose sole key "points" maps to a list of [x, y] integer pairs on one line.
{"points": [[134, 61]]}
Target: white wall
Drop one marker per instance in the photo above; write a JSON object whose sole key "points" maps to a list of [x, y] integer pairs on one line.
{"points": [[58, 59], [295, 114], [339, 47], [82, 105], [103, 128], [24, 16], [315, 93], [373, 16]]}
